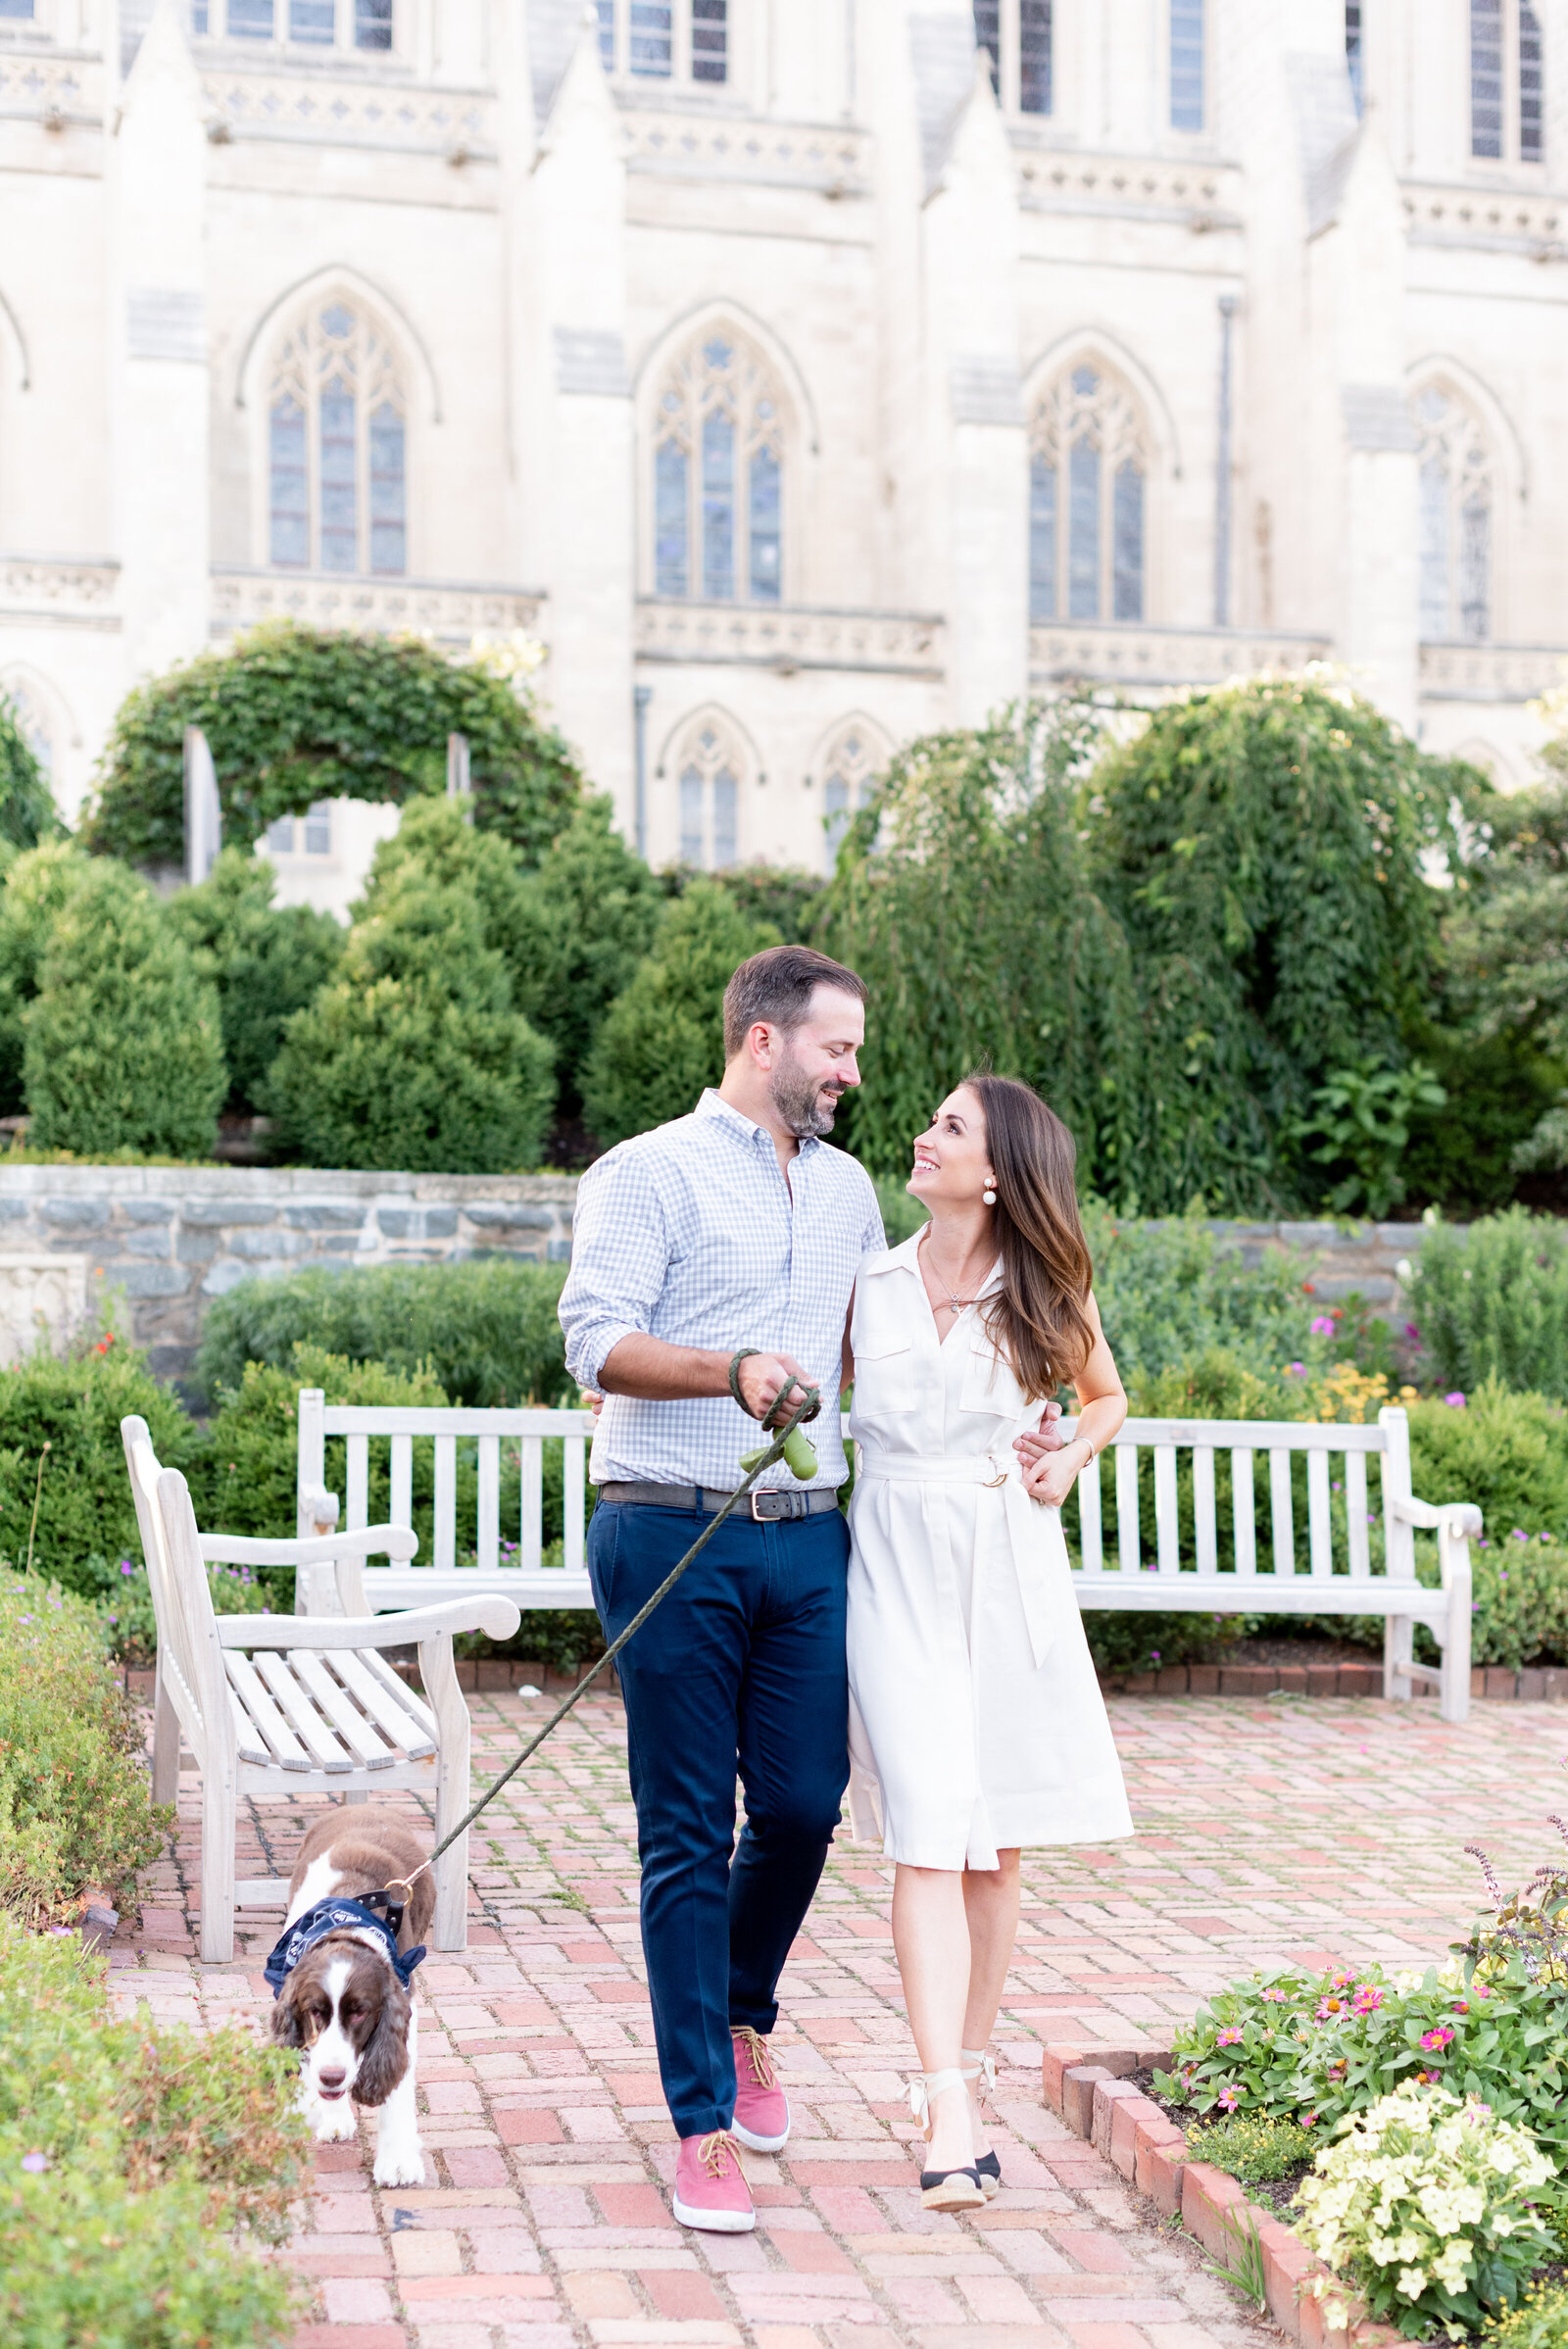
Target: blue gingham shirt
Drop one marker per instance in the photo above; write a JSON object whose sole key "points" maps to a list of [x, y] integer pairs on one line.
{"points": [[692, 1234]]}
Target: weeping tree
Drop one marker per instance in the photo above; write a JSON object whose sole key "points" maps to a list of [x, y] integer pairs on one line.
{"points": [[964, 898], [26, 804]]}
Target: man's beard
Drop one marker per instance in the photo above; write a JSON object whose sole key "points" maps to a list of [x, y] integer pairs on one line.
{"points": [[798, 1101]]}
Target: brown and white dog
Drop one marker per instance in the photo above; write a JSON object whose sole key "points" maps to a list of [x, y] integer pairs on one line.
{"points": [[341, 2002]]}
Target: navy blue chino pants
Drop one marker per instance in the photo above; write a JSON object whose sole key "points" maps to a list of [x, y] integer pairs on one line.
{"points": [[741, 1667]]}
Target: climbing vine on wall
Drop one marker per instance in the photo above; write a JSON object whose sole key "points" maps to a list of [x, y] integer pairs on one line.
{"points": [[293, 714]]}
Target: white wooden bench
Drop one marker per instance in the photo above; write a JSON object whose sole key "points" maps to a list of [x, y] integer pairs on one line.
{"points": [[1261, 1574], [1186, 1573]]}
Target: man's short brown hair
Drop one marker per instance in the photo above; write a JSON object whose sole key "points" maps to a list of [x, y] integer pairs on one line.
{"points": [[777, 986]]}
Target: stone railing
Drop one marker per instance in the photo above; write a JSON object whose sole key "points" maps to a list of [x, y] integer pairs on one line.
{"points": [[789, 637], [1129, 654], [1455, 672], [337, 108], [678, 144], [381, 607], [170, 1239], [1487, 218], [1198, 195], [60, 590]]}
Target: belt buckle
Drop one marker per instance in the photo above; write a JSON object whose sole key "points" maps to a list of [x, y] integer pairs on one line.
{"points": [[756, 1516]]}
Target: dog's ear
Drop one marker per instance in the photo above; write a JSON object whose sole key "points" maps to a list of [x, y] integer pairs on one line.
{"points": [[385, 2055], [288, 2028]]}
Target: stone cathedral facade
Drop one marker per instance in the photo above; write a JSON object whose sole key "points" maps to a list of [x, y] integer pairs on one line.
{"points": [[804, 374]]}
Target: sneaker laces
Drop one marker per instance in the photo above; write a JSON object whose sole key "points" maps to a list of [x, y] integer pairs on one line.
{"points": [[761, 2063], [716, 2152]]}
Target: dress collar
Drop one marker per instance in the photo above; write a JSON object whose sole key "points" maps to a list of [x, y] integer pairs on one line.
{"points": [[905, 1257]]}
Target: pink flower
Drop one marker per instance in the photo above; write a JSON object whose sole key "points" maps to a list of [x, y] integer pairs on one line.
{"points": [[1341, 1979], [1322, 1327], [1428, 2079], [1274, 1997], [1229, 2039], [1228, 2099], [1438, 2037], [1480, 1989], [1455, 1401], [1461, 2006], [36, 2162], [1368, 1998], [1309, 2119], [1329, 2008]]}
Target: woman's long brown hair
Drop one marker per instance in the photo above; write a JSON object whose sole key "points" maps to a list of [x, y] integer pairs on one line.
{"points": [[1039, 1317]]}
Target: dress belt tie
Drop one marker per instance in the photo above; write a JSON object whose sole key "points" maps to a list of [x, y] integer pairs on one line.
{"points": [[1034, 1530]]}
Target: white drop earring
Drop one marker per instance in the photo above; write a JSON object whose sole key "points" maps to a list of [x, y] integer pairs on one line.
{"points": [[987, 1196]]}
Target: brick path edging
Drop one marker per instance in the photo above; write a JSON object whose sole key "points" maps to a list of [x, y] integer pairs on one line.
{"points": [[1535, 1685], [1088, 2087]]}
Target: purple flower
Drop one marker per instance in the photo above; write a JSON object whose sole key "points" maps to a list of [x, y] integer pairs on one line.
{"points": [[125, 1566], [36, 2162], [1295, 1370], [1455, 1401], [1412, 1331], [1518, 1535], [1322, 1327]]}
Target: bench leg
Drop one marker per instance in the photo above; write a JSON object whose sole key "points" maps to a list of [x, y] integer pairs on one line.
{"points": [[450, 1926], [1455, 1690], [1399, 1647], [165, 1743], [217, 1864]]}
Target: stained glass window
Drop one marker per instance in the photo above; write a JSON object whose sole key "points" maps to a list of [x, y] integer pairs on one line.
{"points": [[652, 37], [337, 450], [710, 799], [718, 477], [709, 40], [1352, 50], [1015, 35], [848, 782], [312, 21], [1486, 77], [988, 36], [1087, 490], [250, 19], [1455, 500], [1187, 64], [1532, 84]]}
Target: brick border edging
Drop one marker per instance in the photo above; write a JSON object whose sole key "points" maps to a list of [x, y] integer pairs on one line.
{"points": [[1535, 1685], [1088, 2088]]}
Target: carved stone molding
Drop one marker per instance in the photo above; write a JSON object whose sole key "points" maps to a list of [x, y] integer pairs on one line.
{"points": [[784, 637], [1491, 672], [381, 607], [1488, 219], [1200, 196], [57, 591], [692, 146], [1107, 653], [55, 89], [348, 112]]}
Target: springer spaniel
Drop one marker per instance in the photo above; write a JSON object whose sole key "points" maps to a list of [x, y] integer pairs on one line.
{"points": [[341, 1981]]}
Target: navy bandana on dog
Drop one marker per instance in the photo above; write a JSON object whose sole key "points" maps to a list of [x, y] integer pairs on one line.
{"points": [[334, 1916]]}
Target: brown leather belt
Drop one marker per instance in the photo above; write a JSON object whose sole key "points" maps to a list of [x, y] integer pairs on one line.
{"points": [[766, 1508]]}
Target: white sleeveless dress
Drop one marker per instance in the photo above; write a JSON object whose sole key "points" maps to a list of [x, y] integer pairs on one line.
{"points": [[976, 1721]]}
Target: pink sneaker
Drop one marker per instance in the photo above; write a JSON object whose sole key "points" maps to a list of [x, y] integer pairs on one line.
{"points": [[761, 2107], [709, 2190]]}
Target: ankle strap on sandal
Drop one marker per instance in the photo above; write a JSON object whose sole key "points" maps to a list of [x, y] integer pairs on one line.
{"points": [[927, 2085], [977, 2065]]}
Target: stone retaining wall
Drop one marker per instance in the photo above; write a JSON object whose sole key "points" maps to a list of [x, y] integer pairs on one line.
{"points": [[170, 1239]]}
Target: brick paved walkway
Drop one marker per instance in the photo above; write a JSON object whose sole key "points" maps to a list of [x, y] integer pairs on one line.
{"points": [[1286, 1829]]}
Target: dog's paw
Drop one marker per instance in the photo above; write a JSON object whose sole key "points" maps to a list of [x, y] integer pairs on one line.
{"points": [[333, 2124], [400, 2166]]}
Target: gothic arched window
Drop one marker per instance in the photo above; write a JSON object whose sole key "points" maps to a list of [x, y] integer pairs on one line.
{"points": [[1087, 476], [709, 768], [1456, 518], [848, 779], [1507, 81], [718, 477], [337, 449]]}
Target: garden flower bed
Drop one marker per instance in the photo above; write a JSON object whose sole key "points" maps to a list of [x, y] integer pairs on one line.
{"points": [[1414, 2128]]}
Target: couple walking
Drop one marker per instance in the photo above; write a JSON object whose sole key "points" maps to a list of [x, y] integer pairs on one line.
{"points": [[934, 1642]]}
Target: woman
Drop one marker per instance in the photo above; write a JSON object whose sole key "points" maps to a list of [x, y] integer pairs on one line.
{"points": [[975, 1709]]}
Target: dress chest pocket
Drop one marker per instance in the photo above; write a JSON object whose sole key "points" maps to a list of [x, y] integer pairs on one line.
{"points": [[989, 1383], [883, 1346]]}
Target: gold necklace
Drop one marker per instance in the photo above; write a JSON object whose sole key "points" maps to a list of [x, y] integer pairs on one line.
{"points": [[956, 1303]]}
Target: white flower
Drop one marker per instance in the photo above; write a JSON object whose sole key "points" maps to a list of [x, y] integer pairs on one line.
{"points": [[1412, 2283]]}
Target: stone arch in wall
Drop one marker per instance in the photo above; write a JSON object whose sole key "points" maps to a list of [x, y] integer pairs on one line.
{"points": [[708, 769], [847, 762], [1099, 451]]}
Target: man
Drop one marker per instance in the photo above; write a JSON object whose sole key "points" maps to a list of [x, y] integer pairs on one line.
{"points": [[713, 1259]]}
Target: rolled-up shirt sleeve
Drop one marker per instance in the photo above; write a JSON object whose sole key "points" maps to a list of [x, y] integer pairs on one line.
{"points": [[619, 1259]]}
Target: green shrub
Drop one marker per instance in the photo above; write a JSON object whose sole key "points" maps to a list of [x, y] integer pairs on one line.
{"points": [[595, 909], [784, 894], [486, 1330], [1539, 2321], [1258, 2150], [131, 2156], [38, 887], [73, 1808], [663, 1039], [1505, 1451], [86, 1520], [26, 803], [266, 961], [1169, 1292], [293, 714], [122, 1043], [1491, 1302], [413, 1057]]}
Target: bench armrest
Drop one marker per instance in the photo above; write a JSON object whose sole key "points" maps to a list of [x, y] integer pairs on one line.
{"points": [[375, 1540], [1460, 1518], [498, 1618]]}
